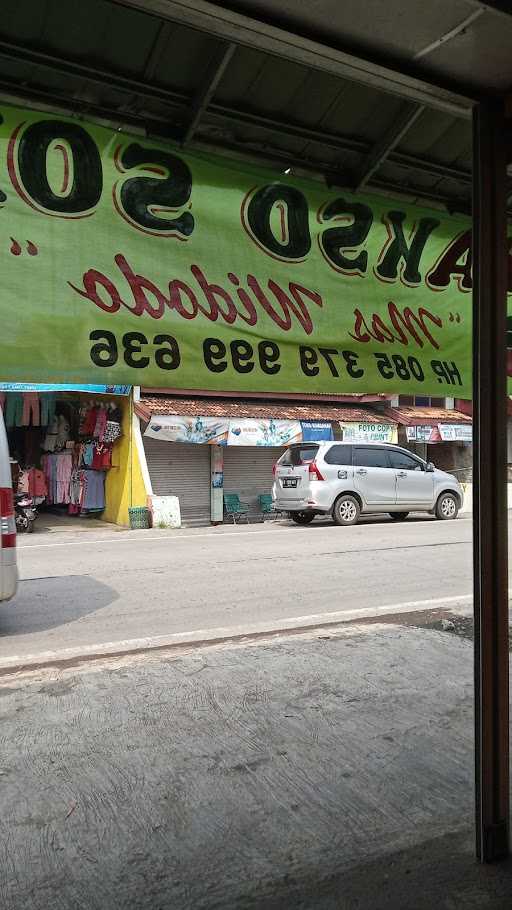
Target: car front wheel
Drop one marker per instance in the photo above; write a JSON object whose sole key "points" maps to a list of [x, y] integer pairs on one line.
{"points": [[447, 507], [302, 518], [346, 511]]}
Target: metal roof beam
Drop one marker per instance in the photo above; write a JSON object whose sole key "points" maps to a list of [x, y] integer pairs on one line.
{"points": [[231, 26], [206, 91], [393, 136], [180, 99], [337, 141], [101, 77]]}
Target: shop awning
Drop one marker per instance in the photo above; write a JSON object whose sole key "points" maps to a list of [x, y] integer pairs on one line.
{"points": [[252, 423], [430, 417], [151, 406], [432, 425]]}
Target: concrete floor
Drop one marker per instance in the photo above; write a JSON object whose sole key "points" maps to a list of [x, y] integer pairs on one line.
{"points": [[327, 770]]}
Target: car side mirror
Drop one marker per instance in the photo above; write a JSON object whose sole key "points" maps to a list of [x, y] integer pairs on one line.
{"points": [[430, 468]]}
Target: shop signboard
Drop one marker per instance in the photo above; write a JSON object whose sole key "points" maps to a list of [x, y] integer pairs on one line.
{"points": [[369, 432], [54, 387], [316, 430], [419, 433], [455, 432], [128, 261], [255, 432], [202, 430]]}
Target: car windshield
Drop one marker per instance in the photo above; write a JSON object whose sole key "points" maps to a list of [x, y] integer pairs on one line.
{"points": [[299, 455]]}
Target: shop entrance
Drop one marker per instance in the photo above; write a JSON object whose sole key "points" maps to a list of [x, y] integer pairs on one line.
{"points": [[62, 447]]}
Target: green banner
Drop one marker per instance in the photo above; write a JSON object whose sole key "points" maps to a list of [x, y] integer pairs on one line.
{"points": [[126, 261]]}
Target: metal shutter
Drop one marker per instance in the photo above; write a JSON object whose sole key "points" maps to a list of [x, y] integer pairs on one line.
{"points": [[181, 469], [248, 472]]}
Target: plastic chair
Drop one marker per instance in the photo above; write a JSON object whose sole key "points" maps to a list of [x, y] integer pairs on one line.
{"points": [[266, 505], [235, 508]]}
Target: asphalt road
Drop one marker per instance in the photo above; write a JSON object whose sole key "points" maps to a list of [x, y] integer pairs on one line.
{"points": [[81, 590]]}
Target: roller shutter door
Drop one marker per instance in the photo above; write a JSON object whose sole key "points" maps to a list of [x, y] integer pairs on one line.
{"points": [[248, 472], [183, 470]]}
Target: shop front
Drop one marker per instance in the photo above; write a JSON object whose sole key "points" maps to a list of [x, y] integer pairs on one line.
{"points": [[200, 449], [71, 450], [441, 435]]}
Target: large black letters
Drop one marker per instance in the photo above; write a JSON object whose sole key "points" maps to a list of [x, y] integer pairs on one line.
{"points": [[138, 194], [298, 238], [398, 248], [85, 191], [347, 236]]}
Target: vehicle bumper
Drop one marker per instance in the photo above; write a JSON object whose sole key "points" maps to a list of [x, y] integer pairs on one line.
{"points": [[298, 505]]}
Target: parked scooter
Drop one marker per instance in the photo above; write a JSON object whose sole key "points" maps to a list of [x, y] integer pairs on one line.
{"points": [[25, 513]]}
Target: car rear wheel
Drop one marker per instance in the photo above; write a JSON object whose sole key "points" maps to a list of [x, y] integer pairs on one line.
{"points": [[302, 518], [346, 511], [398, 516], [447, 507]]}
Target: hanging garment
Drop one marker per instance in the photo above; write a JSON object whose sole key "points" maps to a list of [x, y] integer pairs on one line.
{"points": [[48, 402], [101, 423], [88, 422], [112, 431], [14, 409], [102, 459], [50, 440], [48, 465], [93, 498], [64, 469], [63, 431], [31, 411], [87, 454], [37, 485]]}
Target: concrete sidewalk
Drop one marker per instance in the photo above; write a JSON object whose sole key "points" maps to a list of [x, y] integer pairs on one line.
{"points": [[326, 770]]}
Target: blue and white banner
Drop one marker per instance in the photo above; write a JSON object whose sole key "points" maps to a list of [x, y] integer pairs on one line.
{"points": [[316, 430], [51, 387]]}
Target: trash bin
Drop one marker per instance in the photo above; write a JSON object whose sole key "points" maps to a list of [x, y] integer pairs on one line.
{"points": [[139, 518]]}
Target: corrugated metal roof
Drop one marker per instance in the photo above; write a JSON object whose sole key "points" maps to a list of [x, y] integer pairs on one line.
{"points": [[201, 407], [417, 416], [138, 67]]}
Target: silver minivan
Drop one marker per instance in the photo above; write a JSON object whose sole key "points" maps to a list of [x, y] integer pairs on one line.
{"points": [[345, 480]]}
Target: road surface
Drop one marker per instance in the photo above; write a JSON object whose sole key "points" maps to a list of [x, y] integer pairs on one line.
{"points": [[81, 590]]}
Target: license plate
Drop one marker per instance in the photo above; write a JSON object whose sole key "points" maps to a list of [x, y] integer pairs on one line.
{"points": [[290, 482]]}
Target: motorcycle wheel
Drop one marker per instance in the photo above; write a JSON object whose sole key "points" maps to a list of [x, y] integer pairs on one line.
{"points": [[22, 525], [30, 527]]}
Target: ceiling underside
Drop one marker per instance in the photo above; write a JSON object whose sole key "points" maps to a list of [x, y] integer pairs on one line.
{"points": [[365, 95]]}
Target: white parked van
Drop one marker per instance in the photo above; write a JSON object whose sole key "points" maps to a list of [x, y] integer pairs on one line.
{"points": [[8, 565]]}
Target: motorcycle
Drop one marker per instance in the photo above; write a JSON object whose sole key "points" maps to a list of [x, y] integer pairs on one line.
{"points": [[25, 513]]}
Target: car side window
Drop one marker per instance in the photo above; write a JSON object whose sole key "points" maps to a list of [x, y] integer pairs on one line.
{"points": [[404, 462], [371, 457], [339, 455]]}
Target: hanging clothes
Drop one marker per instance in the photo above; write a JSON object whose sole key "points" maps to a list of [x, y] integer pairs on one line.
{"points": [[93, 497], [48, 405], [14, 410], [64, 469], [31, 412]]}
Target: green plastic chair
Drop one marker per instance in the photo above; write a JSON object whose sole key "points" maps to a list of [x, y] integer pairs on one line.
{"points": [[234, 508], [266, 505]]}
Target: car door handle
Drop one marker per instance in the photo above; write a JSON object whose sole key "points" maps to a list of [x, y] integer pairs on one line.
{"points": [[402, 474], [362, 471]]}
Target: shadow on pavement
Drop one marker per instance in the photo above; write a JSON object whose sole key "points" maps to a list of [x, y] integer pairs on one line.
{"points": [[46, 603], [441, 872]]}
